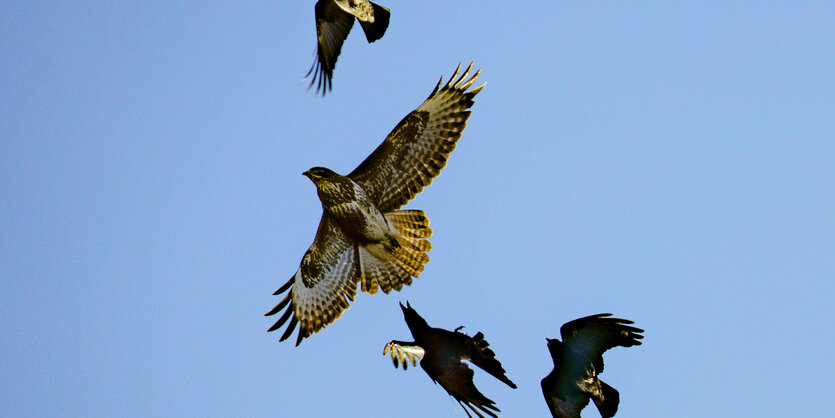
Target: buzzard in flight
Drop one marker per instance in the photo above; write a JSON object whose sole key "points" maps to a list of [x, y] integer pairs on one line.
{"points": [[363, 237], [334, 19], [578, 359], [441, 353]]}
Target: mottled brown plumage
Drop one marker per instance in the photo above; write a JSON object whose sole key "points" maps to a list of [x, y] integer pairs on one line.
{"points": [[578, 360], [364, 238], [441, 353]]}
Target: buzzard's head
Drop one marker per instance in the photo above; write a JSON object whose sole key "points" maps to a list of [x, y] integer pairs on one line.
{"points": [[317, 174], [415, 322]]}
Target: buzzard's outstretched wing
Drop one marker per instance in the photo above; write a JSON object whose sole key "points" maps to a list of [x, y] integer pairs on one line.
{"points": [[322, 287], [591, 336], [417, 149], [403, 353], [332, 28]]}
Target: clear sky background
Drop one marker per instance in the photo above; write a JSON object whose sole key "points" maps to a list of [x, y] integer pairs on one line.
{"points": [[672, 163]]}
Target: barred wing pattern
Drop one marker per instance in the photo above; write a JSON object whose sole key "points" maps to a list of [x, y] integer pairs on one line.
{"points": [[323, 285], [418, 148]]}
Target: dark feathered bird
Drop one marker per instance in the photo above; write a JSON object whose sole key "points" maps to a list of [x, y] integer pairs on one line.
{"points": [[441, 353], [334, 19], [363, 236], [578, 360]]}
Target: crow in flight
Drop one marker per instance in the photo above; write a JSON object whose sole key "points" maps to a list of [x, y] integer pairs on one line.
{"points": [[334, 19], [578, 360], [441, 353]]}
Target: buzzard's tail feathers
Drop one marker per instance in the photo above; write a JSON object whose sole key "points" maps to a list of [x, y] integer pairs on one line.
{"points": [[413, 227], [380, 271], [410, 223], [391, 265], [607, 400], [377, 29]]}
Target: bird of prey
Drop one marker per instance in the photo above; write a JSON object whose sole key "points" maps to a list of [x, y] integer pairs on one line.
{"points": [[334, 19], [441, 353], [364, 237], [578, 360]]}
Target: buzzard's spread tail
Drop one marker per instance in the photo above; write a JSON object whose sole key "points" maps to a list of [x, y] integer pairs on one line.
{"points": [[413, 227], [606, 400], [378, 273], [391, 265], [376, 29]]}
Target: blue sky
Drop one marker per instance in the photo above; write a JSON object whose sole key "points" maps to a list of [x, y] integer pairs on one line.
{"points": [[673, 164]]}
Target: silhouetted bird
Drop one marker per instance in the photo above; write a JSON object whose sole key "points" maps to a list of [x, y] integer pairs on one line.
{"points": [[578, 359], [441, 353], [363, 237], [334, 19]]}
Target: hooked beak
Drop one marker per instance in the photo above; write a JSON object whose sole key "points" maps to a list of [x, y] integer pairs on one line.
{"points": [[307, 174]]}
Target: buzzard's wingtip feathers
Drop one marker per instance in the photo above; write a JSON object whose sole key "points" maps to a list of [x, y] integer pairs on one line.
{"points": [[280, 305], [290, 328], [301, 337], [283, 319], [460, 81], [452, 79], [476, 90], [470, 81], [437, 86], [285, 286]]}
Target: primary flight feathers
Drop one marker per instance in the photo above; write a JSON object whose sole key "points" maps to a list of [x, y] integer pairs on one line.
{"points": [[578, 360], [334, 19], [363, 237], [441, 352]]}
